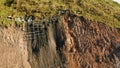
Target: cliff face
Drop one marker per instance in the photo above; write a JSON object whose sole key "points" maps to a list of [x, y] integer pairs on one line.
{"points": [[88, 44], [69, 42], [13, 50]]}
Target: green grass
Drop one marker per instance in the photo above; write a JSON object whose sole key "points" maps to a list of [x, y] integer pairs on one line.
{"points": [[105, 11]]}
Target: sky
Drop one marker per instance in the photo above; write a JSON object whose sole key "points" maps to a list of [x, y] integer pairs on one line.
{"points": [[117, 1]]}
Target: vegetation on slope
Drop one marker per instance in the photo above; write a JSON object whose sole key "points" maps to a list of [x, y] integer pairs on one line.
{"points": [[105, 11]]}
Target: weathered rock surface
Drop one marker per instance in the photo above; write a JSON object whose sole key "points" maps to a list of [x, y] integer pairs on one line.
{"points": [[13, 50], [69, 42], [88, 44]]}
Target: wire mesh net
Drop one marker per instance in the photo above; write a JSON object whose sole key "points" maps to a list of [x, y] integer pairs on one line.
{"points": [[32, 30]]}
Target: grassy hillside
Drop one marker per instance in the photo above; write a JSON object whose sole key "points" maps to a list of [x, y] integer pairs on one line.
{"points": [[105, 11]]}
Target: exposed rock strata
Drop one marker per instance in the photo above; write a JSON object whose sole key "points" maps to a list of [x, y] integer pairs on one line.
{"points": [[69, 42]]}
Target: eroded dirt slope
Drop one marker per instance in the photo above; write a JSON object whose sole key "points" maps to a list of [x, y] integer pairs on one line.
{"points": [[13, 50]]}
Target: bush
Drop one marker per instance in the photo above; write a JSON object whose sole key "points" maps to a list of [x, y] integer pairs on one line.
{"points": [[9, 2]]}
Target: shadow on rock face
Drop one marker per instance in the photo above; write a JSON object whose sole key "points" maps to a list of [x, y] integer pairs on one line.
{"points": [[115, 52]]}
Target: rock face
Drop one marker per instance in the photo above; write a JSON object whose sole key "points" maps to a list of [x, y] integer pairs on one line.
{"points": [[13, 50], [69, 42], [87, 44]]}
